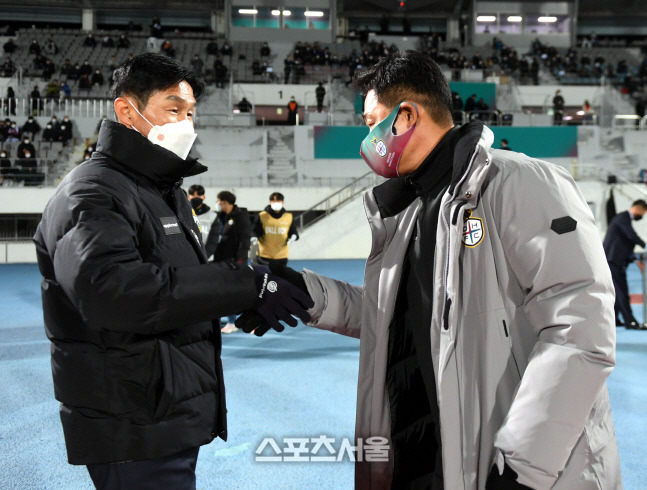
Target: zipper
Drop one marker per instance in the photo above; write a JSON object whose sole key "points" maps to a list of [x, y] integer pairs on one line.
{"points": [[447, 302]]}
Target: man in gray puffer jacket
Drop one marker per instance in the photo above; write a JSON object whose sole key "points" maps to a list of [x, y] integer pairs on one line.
{"points": [[486, 319]]}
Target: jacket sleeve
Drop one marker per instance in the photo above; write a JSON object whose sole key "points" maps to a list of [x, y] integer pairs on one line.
{"points": [[244, 234], [628, 231], [338, 305], [257, 229], [212, 238], [293, 229], [98, 266], [569, 303]]}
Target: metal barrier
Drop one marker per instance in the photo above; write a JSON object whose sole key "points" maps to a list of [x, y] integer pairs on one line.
{"points": [[73, 107], [632, 122], [492, 117], [332, 202]]}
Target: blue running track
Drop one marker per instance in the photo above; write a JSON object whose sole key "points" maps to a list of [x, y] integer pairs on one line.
{"points": [[298, 384]]}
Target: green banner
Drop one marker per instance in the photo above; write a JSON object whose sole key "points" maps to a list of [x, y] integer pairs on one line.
{"points": [[342, 142]]}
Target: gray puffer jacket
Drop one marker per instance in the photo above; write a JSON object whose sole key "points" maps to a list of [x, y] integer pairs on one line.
{"points": [[522, 331]]}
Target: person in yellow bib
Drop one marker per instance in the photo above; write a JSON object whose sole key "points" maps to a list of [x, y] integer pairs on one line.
{"points": [[274, 229]]}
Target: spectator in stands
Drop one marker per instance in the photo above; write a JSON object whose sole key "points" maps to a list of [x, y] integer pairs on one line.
{"points": [[67, 68], [112, 66], [10, 102], [504, 144], [10, 46], [588, 113], [256, 67], [287, 68], [31, 127], [299, 71], [89, 41], [26, 147], [6, 167], [13, 133], [226, 49], [470, 104], [320, 93], [265, 49], [50, 133], [156, 27], [220, 71], [86, 68], [39, 61], [65, 133], [51, 48], [123, 42], [75, 72], [457, 108], [212, 47], [66, 90], [198, 64], [244, 105], [53, 90], [3, 129], [228, 239], [97, 78], [7, 68], [481, 105], [49, 69], [590, 42], [107, 42], [28, 173], [85, 83], [168, 49], [293, 110], [640, 109], [34, 47], [558, 108], [36, 101]]}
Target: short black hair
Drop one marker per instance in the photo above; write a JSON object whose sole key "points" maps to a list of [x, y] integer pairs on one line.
{"points": [[227, 196], [196, 189], [412, 76], [640, 202], [276, 196], [504, 141], [144, 74]]}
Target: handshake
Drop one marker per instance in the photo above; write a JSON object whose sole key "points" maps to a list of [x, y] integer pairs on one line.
{"points": [[281, 295]]}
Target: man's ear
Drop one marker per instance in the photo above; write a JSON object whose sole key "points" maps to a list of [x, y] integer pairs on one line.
{"points": [[124, 111], [407, 117]]}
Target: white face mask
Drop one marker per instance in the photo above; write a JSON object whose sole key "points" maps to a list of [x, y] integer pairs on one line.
{"points": [[217, 207], [276, 206], [176, 137]]}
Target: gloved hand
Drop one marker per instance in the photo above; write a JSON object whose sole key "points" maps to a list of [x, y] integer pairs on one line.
{"points": [[253, 241], [505, 481], [252, 321], [279, 299], [292, 239]]}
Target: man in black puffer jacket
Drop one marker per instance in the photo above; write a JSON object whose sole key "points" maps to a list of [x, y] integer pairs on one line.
{"points": [[129, 298]]}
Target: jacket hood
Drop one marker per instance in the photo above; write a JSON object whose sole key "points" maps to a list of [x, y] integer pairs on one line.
{"points": [[135, 153]]}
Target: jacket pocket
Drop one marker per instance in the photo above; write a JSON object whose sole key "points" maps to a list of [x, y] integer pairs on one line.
{"points": [[164, 393]]}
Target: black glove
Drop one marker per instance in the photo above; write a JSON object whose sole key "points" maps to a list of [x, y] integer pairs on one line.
{"points": [[278, 299], [252, 321], [506, 481]]}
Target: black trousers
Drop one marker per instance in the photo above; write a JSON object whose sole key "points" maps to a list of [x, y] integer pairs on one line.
{"points": [[175, 472], [622, 305]]}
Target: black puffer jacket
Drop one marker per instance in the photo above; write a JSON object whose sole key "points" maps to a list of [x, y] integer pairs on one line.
{"points": [[229, 236], [129, 299]]}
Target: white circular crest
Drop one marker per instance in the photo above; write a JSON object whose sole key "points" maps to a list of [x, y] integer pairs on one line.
{"points": [[272, 287], [380, 147]]}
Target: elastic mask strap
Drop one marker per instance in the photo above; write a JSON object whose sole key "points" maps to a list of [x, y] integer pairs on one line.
{"points": [[133, 106]]}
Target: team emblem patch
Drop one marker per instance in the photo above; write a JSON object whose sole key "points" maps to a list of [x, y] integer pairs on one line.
{"points": [[380, 146], [473, 230]]}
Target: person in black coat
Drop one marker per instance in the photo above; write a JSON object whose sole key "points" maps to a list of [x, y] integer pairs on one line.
{"points": [[619, 244], [228, 239], [129, 299]]}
